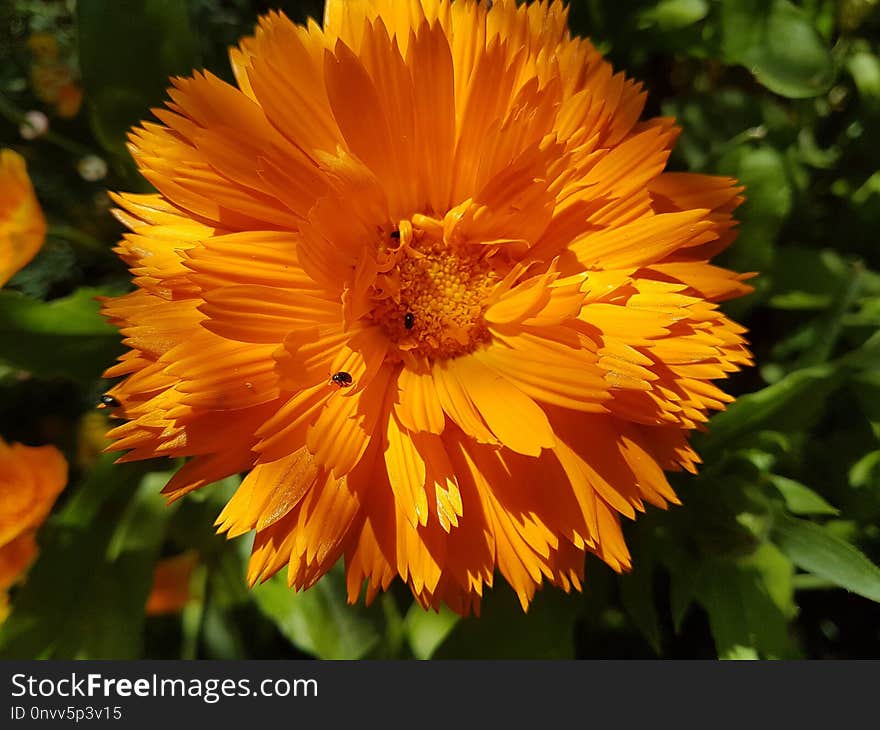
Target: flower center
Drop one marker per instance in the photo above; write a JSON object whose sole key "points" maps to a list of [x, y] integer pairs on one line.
{"points": [[432, 298]]}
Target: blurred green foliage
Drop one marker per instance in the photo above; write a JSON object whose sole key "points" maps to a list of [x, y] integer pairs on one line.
{"points": [[773, 554]]}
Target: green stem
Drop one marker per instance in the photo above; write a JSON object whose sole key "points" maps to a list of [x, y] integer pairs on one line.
{"points": [[194, 617], [17, 117], [76, 237], [831, 326]]}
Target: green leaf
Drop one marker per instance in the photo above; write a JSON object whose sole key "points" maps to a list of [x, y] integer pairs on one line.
{"points": [[816, 550], [142, 526], [427, 630], [65, 337], [504, 631], [674, 14], [865, 70], [110, 620], [829, 326], [805, 278], [866, 471], [321, 622], [53, 265], [128, 49], [84, 599], [746, 623], [867, 314], [789, 404], [800, 499], [777, 573], [866, 387], [762, 170], [866, 356], [637, 595], [223, 638], [682, 592], [778, 43]]}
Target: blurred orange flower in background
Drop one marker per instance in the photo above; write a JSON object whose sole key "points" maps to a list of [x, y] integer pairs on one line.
{"points": [[44, 47], [171, 584], [69, 100], [22, 225], [423, 274], [31, 478], [52, 79]]}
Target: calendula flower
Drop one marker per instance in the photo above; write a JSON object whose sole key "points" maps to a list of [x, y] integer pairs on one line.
{"points": [[31, 477], [422, 273], [171, 584], [22, 226]]}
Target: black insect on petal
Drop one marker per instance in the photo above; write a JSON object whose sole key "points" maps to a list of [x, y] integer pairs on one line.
{"points": [[342, 379], [395, 234], [109, 401], [409, 320]]}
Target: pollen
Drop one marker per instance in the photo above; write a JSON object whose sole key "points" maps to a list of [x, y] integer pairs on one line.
{"points": [[431, 302]]}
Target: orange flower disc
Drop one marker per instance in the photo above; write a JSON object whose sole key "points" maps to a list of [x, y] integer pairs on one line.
{"points": [[22, 226], [423, 275]]}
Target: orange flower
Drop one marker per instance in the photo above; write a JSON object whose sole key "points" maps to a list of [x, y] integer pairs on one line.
{"points": [[31, 477], [44, 46], [422, 273], [48, 79], [22, 226], [69, 101], [171, 583]]}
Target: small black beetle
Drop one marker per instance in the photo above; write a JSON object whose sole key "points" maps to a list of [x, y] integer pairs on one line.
{"points": [[342, 379]]}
